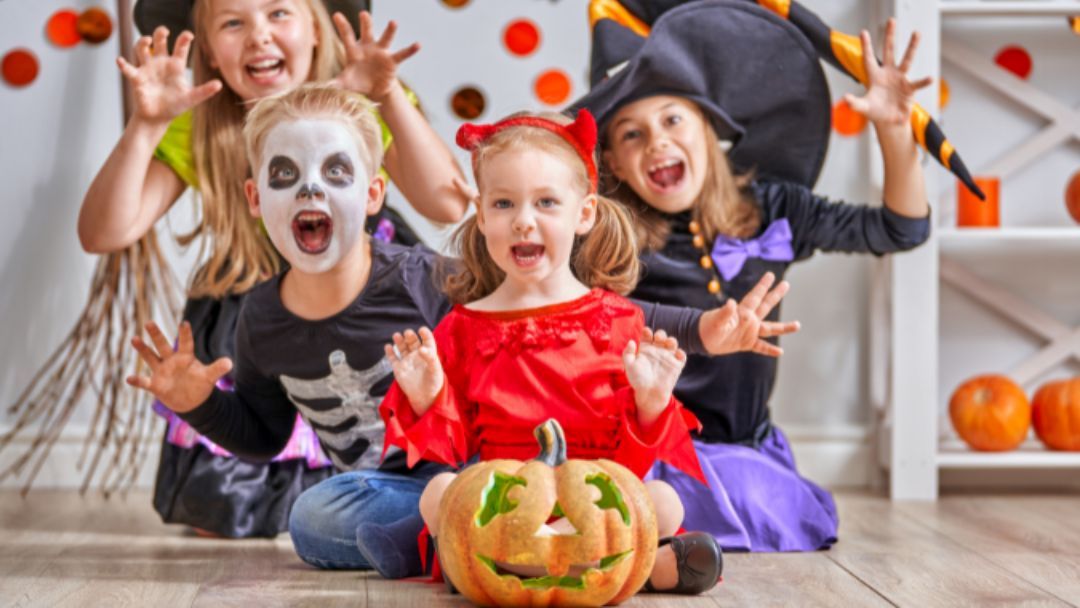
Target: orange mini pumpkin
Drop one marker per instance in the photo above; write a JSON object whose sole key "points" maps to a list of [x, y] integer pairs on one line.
{"points": [[1055, 414], [494, 524], [990, 413]]}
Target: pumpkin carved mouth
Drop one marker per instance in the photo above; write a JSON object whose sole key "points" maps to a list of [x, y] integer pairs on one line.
{"points": [[550, 581]]}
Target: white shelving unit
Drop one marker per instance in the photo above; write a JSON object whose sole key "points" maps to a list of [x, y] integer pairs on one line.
{"points": [[915, 436]]}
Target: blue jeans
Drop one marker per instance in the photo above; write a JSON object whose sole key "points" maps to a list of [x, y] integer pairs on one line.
{"points": [[324, 518]]}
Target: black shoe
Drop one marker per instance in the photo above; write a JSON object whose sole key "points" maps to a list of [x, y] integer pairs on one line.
{"points": [[699, 560]]}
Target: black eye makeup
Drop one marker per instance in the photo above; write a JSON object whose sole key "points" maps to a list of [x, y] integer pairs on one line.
{"points": [[283, 173], [338, 170]]}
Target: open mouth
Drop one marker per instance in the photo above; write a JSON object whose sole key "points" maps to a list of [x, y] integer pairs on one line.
{"points": [[527, 254], [537, 577], [312, 231], [667, 175], [265, 69]]}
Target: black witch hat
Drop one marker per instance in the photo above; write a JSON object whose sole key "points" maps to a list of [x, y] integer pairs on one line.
{"points": [[176, 14], [755, 75]]}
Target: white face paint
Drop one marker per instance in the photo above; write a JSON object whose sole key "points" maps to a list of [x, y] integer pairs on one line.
{"points": [[313, 191]]}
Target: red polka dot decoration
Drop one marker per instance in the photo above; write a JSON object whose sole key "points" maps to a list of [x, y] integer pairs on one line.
{"points": [[468, 103], [62, 28], [94, 25], [846, 121], [552, 87], [20, 67], [521, 37], [1072, 197], [1074, 24], [1015, 59]]}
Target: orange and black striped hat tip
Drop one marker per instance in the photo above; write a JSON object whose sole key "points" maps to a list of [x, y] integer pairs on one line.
{"points": [[961, 171]]}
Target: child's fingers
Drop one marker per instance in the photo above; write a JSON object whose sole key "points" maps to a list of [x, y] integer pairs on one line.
{"points": [[888, 57], [922, 83], [869, 60], [412, 341], [680, 355], [161, 343], [399, 343], [219, 368], [185, 342], [406, 52], [646, 335], [344, 30], [775, 328], [753, 298], [161, 41], [909, 52], [183, 45], [388, 34], [142, 382], [146, 353], [365, 27], [659, 337], [628, 353], [772, 299], [391, 353], [204, 91], [426, 337], [767, 348], [858, 104], [129, 71], [142, 50]]}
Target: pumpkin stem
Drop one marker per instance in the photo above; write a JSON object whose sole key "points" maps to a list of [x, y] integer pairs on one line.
{"points": [[552, 443]]}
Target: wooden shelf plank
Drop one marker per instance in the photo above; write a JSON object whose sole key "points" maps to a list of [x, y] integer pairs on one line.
{"points": [[996, 7]]}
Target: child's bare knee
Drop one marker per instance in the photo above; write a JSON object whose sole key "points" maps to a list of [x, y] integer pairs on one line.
{"points": [[430, 499], [669, 507]]}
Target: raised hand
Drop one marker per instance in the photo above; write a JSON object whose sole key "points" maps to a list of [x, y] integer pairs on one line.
{"points": [[889, 93], [370, 65], [177, 379], [652, 368], [159, 82], [417, 368], [741, 326]]}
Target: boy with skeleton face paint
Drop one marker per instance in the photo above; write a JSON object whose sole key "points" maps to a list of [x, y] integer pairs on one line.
{"points": [[310, 339]]}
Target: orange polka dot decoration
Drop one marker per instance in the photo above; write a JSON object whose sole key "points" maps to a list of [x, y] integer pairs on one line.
{"points": [[1072, 197], [846, 121], [94, 25], [553, 87], [62, 28], [19, 67], [521, 37], [455, 3], [1015, 59]]}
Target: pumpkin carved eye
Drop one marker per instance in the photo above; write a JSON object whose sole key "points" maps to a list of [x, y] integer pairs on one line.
{"points": [[496, 499], [610, 496]]}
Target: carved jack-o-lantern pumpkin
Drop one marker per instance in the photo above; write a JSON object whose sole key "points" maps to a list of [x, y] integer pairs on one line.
{"points": [[496, 547]]}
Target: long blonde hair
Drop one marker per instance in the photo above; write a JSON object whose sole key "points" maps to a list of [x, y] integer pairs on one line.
{"points": [[725, 206], [606, 256], [240, 254]]}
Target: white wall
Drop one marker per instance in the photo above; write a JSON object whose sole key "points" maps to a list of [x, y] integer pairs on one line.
{"points": [[57, 132]]}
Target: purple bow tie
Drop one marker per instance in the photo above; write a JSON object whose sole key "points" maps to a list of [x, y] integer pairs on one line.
{"points": [[774, 244]]}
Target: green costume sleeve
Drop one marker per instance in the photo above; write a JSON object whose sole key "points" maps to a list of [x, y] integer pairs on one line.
{"points": [[175, 150]]}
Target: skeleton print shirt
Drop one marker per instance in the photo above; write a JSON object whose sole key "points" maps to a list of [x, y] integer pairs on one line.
{"points": [[334, 371]]}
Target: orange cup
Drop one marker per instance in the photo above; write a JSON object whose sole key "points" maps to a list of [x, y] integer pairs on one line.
{"points": [[972, 212]]}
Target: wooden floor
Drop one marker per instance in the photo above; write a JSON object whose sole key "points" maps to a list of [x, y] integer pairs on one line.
{"points": [[59, 549]]}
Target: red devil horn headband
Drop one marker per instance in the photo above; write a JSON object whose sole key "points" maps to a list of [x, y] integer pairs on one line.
{"points": [[580, 134]]}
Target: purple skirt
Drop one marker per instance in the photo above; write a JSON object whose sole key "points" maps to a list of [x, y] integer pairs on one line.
{"points": [[756, 500]]}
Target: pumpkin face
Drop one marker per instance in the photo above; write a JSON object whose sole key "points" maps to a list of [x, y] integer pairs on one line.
{"points": [[495, 545], [1055, 414], [990, 413]]}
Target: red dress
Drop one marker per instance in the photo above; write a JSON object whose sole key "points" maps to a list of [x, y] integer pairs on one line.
{"points": [[507, 372]]}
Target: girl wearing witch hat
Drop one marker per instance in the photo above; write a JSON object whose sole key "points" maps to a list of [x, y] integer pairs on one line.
{"points": [[711, 222], [186, 134]]}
